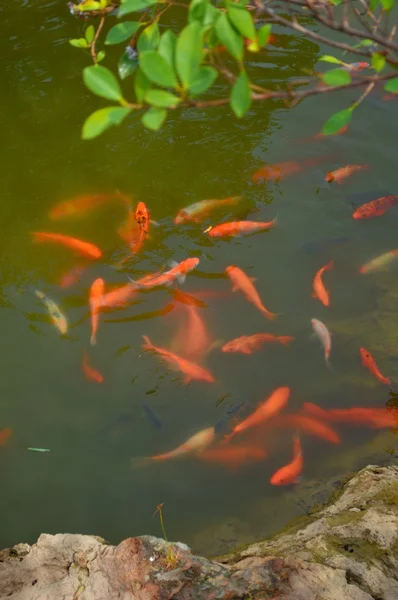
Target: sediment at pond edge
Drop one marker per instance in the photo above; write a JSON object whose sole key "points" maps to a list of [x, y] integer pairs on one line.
{"points": [[347, 549]]}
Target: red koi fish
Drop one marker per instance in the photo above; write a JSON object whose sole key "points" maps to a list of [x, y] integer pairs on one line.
{"points": [[244, 283], [72, 277], [375, 208], [377, 418], [190, 369], [81, 205], [247, 344], [320, 291], [369, 362], [84, 248], [193, 445], [177, 272], [5, 435], [91, 373], [308, 424], [264, 412], [142, 216], [96, 293], [341, 174], [284, 169], [233, 456], [290, 473], [237, 228]]}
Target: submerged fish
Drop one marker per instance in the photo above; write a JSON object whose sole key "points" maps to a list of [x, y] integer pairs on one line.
{"points": [[193, 445], [380, 263], [199, 210], [190, 369], [320, 291], [323, 334], [72, 276], [375, 208], [341, 174], [152, 418], [89, 371], [84, 248], [5, 435], [284, 169], [96, 294], [247, 344], [290, 473], [178, 273], [244, 283], [233, 456], [378, 418], [81, 205], [237, 228], [56, 315], [309, 424], [369, 362]]}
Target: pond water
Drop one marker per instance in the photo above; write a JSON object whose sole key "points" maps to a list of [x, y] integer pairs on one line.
{"points": [[85, 483]]}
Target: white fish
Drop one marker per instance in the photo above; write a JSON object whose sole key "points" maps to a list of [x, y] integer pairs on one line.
{"points": [[323, 334], [56, 316]]}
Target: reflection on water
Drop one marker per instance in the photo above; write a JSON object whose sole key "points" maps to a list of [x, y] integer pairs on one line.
{"points": [[85, 482]]}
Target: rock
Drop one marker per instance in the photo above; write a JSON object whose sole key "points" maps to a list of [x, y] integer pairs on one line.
{"points": [[347, 550]]}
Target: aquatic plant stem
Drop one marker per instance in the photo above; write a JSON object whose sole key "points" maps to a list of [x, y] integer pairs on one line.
{"points": [[96, 36]]}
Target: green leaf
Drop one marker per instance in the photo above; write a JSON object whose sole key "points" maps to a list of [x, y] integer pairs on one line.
{"points": [[373, 4], [335, 2], [392, 86], [167, 47], [366, 43], [161, 99], [241, 96], [154, 118], [331, 59], [149, 38], [121, 32], [263, 35], [127, 64], [378, 62], [337, 121], [242, 21], [141, 85], [336, 77], [157, 69], [88, 6], [129, 6], [211, 16], [229, 37], [204, 80], [102, 82], [102, 119], [89, 33], [197, 10], [189, 50], [387, 4], [79, 43], [100, 56]]}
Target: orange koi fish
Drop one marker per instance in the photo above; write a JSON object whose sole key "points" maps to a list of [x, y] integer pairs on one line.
{"points": [[190, 369], [5, 435], [378, 418], [380, 263], [369, 362], [72, 277], [142, 216], [320, 291], [247, 344], [91, 373], [85, 248], [123, 295], [324, 336], [197, 339], [233, 456], [96, 293], [193, 445], [375, 208], [284, 169], [264, 412], [309, 424], [177, 272], [244, 283], [237, 228], [290, 473], [341, 174], [199, 210], [81, 205], [188, 299]]}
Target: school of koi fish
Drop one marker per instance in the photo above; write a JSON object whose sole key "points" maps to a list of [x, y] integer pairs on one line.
{"points": [[242, 441]]}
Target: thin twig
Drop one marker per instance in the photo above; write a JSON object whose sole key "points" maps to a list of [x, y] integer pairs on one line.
{"points": [[97, 34]]}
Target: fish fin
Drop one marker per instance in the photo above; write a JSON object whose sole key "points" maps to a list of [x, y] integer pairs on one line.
{"points": [[328, 266], [286, 339], [329, 366], [93, 341], [235, 288], [253, 279], [313, 295], [180, 279], [39, 294], [187, 379], [155, 223], [208, 229], [172, 264], [147, 345]]}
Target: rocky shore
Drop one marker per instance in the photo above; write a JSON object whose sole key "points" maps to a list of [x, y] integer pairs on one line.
{"points": [[346, 550]]}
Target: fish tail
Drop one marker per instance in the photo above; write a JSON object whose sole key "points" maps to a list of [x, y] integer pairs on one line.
{"points": [[269, 315], [39, 294], [329, 266], [140, 462], [234, 199], [147, 345], [329, 366], [286, 339], [93, 340]]}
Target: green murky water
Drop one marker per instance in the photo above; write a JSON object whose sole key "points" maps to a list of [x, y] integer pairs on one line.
{"points": [[85, 484]]}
